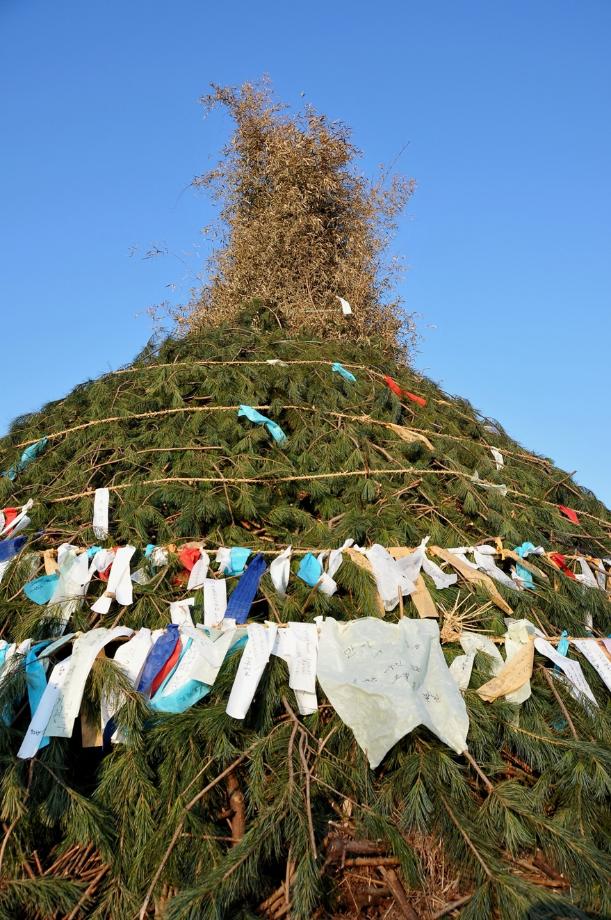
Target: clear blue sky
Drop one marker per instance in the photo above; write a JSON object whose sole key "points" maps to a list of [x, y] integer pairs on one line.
{"points": [[506, 110]]}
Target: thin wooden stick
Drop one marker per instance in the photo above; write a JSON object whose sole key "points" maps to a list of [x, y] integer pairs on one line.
{"points": [[565, 711]]}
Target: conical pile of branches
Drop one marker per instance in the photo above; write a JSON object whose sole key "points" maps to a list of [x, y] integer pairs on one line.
{"points": [[299, 225], [202, 816]]}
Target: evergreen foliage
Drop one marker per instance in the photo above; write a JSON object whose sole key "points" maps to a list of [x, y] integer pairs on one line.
{"points": [[201, 817]]}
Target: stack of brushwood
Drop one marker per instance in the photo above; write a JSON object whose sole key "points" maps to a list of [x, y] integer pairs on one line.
{"points": [[203, 817]]}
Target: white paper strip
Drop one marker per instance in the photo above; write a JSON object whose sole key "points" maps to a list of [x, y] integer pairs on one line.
{"points": [[298, 646], [203, 659], [499, 460], [130, 657], [252, 664], [197, 575], [215, 601], [119, 585], [572, 669], [85, 650], [598, 658], [587, 576], [37, 727], [346, 308], [180, 612], [16, 524], [100, 513], [279, 571]]}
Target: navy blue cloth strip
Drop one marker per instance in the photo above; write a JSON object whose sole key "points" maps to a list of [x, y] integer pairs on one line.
{"points": [[244, 592], [10, 548], [157, 657]]}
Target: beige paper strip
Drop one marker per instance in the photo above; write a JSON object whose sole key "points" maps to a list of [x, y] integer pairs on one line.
{"points": [[406, 434], [50, 562], [472, 575], [422, 600], [512, 675]]}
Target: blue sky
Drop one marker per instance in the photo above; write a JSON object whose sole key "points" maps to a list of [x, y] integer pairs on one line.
{"points": [[505, 111]]}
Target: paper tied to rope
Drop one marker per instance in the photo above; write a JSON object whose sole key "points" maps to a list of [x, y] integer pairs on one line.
{"points": [[197, 566], [599, 656], [492, 486], [569, 513], [61, 700], [385, 679], [232, 561], [483, 556], [14, 520], [197, 669], [587, 576], [338, 368], [499, 460], [258, 419], [130, 657], [280, 570], [346, 308], [312, 573], [250, 670], [471, 574], [75, 572], [512, 680], [576, 681], [462, 666], [403, 394], [100, 513], [215, 601], [119, 587], [28, 455], [297, 644]]}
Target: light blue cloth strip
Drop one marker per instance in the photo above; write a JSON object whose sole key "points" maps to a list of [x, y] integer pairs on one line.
{"points": [[36, 680], [338, 368], [238, 557], [253, 416], [563, 643], [40, 590], [521, 571], [310, 570], [29, 454]]}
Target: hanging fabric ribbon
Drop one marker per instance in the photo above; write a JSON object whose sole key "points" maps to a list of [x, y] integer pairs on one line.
{"points": [[119, 582], [16, 519], [559, 561], [100, 513], [400, 392], [40, 590], [244, 592], [232, 561], [157, 657], [338, 368], [8, 550], [279, 571], [253, 416], [569, 513], [499, 460], [29, 454], [311, 572]]}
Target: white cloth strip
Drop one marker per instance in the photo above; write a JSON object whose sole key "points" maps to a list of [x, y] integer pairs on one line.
{"points": [[279, 571], [38, 724], [100, 513], [197, 575], [598, 658], [215, 601]]}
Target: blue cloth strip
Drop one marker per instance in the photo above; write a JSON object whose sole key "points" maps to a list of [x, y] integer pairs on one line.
{"points": [[242, 596], [36, 680], [29, 454], [338, 368], [157, 657], [238, 557], [253, 416], [40, 590], [310, 570], [11, 547]]}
